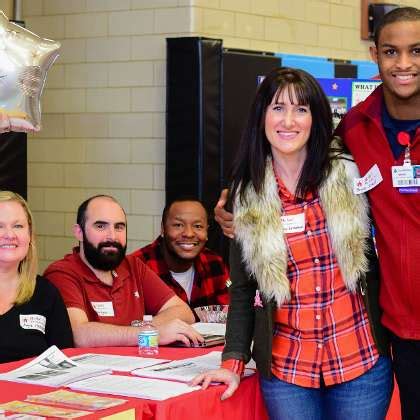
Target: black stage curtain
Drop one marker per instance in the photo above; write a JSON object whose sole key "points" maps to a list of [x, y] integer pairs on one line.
{"points": [[13, 167], [209, 91], [241, 70], [194, 120]]}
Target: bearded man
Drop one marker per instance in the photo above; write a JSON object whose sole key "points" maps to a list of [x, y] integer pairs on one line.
{"points": [[105, 291]]}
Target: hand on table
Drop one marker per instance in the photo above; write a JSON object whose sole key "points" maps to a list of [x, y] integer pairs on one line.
{"points": [[223, 217], [177, 330], [222, 375]]}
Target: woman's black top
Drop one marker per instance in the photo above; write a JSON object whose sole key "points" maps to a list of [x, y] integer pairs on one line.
{"points": [[29, 329]]}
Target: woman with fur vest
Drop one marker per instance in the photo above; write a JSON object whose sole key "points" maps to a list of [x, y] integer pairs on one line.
{"points": [[303, 266]]}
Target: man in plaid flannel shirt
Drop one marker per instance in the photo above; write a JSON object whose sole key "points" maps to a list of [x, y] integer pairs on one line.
{"points": [[179, 257]]}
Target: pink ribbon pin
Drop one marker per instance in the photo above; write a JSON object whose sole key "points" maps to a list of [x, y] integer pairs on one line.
{"points": [[257, 300]]}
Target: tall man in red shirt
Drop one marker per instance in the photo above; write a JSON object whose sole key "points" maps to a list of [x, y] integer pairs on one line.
{"points": [[180, 258], [105, 291], [371, 132]]}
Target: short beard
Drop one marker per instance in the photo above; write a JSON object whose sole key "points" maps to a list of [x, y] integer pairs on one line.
{"points": [[100, 260]]}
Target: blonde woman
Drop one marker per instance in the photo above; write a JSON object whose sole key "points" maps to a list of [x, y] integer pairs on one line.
{"points": [[32, 313]]}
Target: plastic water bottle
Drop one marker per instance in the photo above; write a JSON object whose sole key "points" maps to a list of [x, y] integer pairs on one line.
{"points": [[148, 338]]}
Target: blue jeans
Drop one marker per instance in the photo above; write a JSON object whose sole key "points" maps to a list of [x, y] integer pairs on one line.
{"points": [[364, 398]]}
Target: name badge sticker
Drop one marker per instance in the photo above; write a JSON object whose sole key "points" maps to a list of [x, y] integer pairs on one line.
{"points": [[33, 322], [293, 223], [371, 179], [103, 308]]}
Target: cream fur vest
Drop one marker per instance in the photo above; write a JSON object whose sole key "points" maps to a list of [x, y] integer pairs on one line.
{"points": [[259, 230]]}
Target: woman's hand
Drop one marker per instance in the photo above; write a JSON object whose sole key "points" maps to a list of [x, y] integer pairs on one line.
{"points": [[222, 375], [18, 125], [4, 123]]}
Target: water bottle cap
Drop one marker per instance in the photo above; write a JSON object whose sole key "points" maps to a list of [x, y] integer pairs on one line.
{"points": [[147, 318]]}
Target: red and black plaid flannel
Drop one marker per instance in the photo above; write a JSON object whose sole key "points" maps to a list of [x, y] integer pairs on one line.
{"points": [[210, 278]]}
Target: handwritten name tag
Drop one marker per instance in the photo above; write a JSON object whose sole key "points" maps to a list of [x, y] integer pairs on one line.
{"points": [[103, 308], [33, 322], [293, 223], [371, 179]]}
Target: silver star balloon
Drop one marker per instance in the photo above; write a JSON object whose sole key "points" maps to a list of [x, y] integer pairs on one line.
{"points": [[25, 59]]}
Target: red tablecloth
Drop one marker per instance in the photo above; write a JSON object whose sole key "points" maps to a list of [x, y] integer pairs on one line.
{"points": [[246, 404]]}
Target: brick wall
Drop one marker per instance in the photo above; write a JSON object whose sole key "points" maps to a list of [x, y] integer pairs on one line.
{"points": [[103, 107], [328, 28], [6, 7], [103, 114]]}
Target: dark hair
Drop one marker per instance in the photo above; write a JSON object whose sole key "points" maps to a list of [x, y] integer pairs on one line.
{"points": [[81, 211], [250, 163], [400, 14], [180, 199]]}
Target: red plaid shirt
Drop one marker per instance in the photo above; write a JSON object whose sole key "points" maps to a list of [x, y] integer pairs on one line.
{"points": [[210, 278], [323, 331]]}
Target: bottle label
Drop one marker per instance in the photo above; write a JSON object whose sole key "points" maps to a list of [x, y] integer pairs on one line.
{"points": [[148, 339]]}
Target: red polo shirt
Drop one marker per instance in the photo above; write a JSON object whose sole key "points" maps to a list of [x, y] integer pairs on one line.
{"points": [[136, 290]]}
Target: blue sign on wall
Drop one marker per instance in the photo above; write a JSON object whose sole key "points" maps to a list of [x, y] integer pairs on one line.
{"points": [[346, 93]]}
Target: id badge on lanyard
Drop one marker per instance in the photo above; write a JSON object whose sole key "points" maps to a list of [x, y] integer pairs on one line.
{"points": [[406, 177]]}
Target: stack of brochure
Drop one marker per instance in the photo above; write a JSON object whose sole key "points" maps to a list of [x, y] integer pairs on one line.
{"points": [[75, 400], [186, 369], [52, 368], [27, 410], [128, 386], [212, 332], [91, 372], [63, 403], [116, 363]]}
